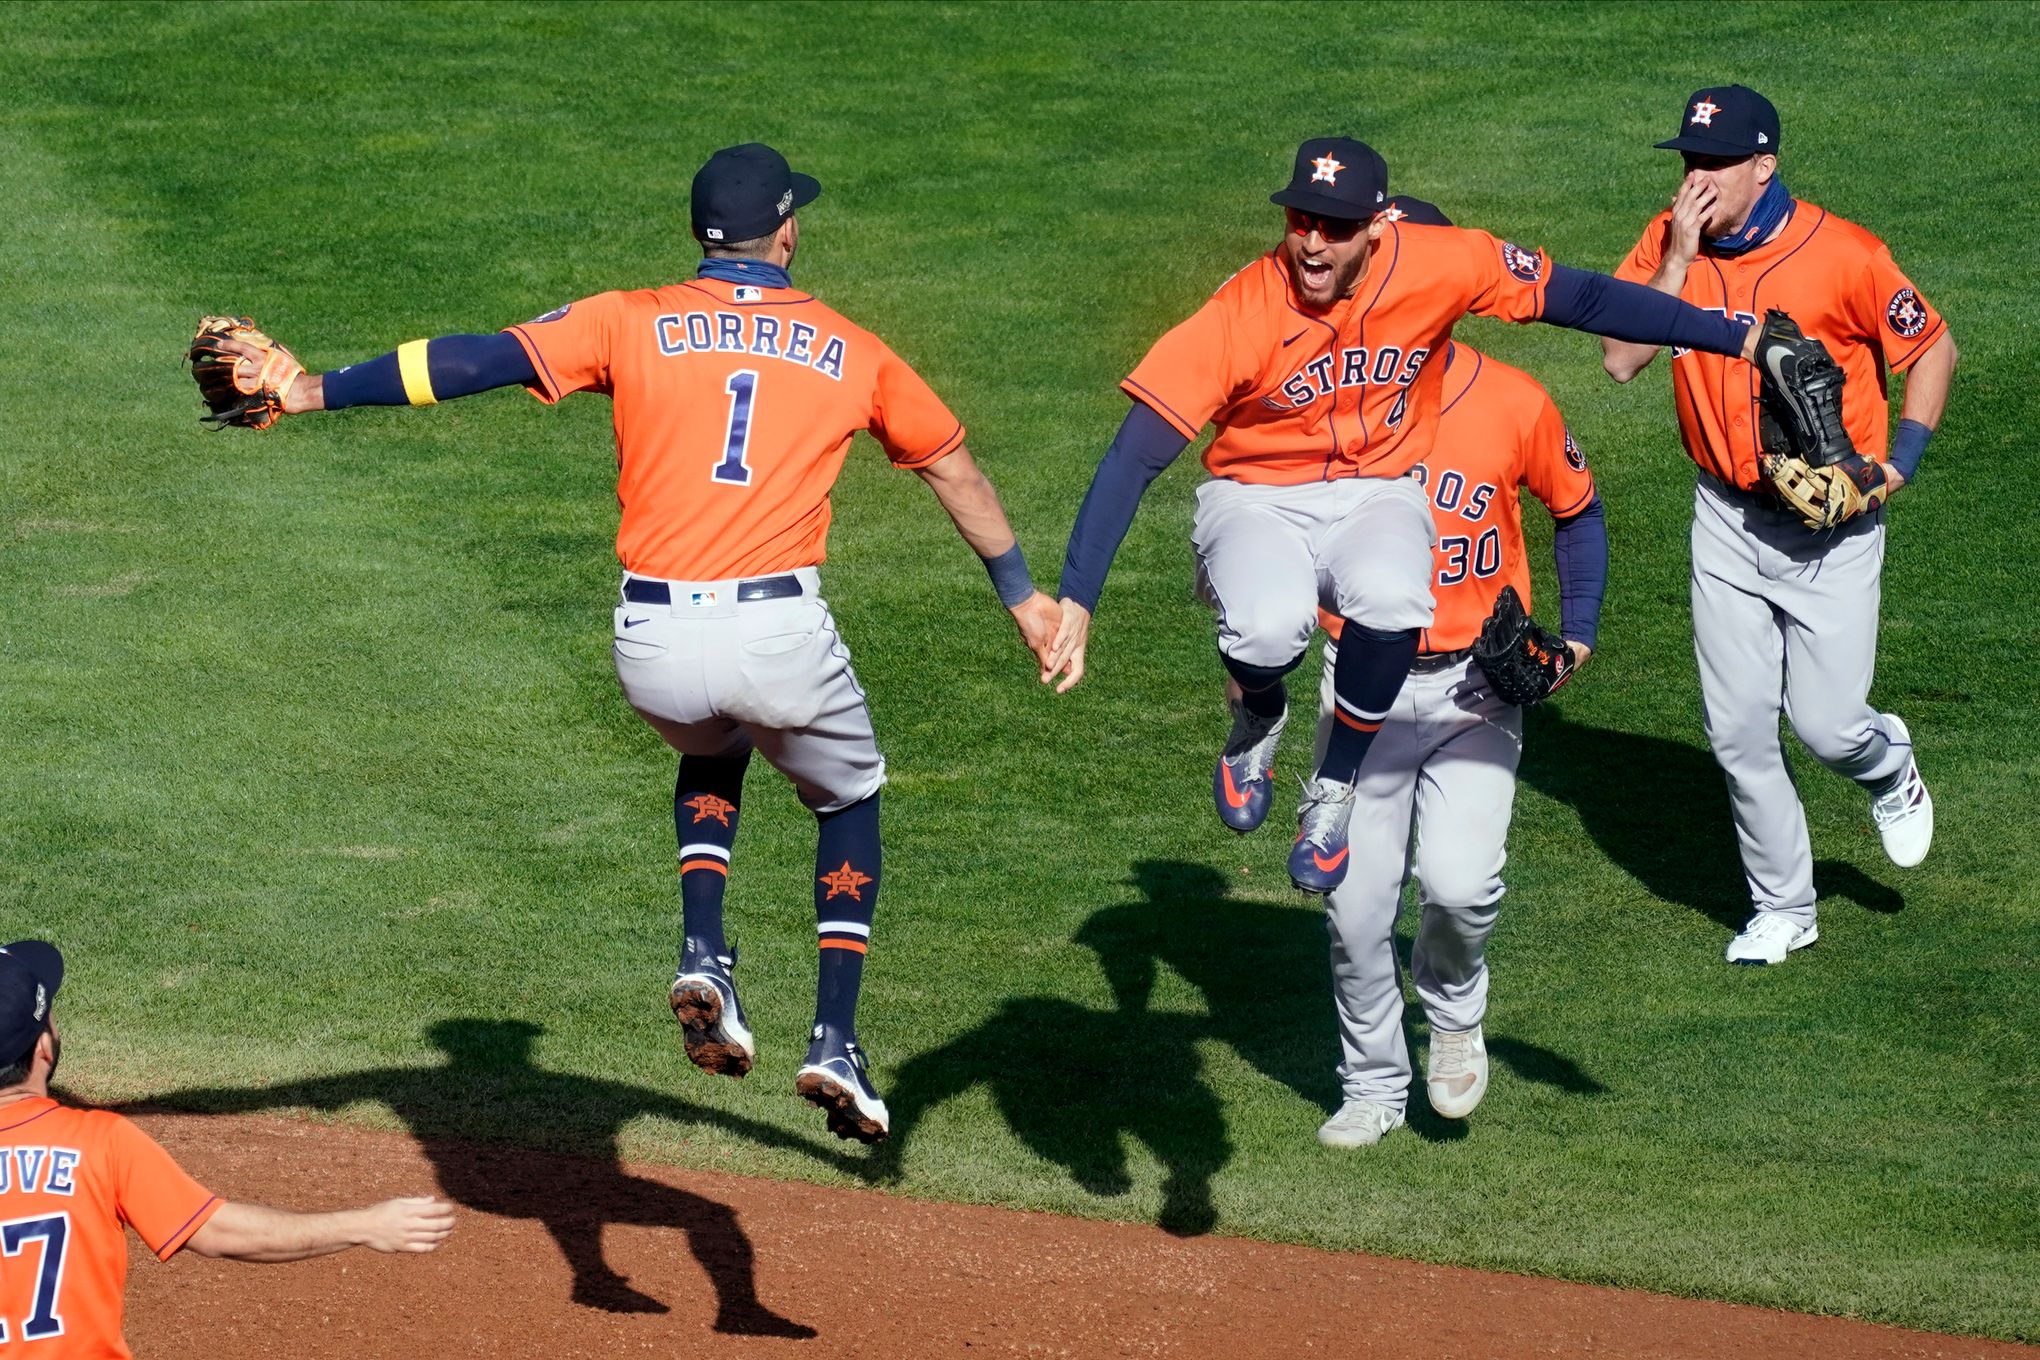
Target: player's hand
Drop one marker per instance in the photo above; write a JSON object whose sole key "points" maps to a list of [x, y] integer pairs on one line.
{"points": [[1039, 618], [1691, 207], [1066, 653], [1580, 652], [414, 1223]]}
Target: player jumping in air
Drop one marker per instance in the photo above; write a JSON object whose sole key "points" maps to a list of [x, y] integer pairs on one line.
{"points": [[1322, 364], [735, 396]]}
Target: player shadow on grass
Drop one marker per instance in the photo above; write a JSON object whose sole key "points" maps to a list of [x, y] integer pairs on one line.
{"points": [[1671, 832], [1074, 1082], [489, 1079]]}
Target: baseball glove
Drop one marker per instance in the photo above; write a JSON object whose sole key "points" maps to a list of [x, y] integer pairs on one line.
{"points": [[243, 375], [1523, 662], [1803, 450]]}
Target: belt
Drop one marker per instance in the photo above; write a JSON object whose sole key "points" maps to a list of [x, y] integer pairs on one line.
{"points": [[638, 590], [1429, 663]]}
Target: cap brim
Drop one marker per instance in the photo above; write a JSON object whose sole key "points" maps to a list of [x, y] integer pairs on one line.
{"points": [[1322, 204], [806, 189], [42, 959], [1705, 146]]}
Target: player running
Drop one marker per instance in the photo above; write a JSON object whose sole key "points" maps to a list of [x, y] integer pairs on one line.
{"points": [[1439, 785], [1321, 365], [1781, 614], [735, 397], [71, 1180]]}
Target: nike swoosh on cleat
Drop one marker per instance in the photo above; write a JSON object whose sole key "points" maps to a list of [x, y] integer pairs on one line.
{"points": [[1327, 865], [1233, 795], [632, 623]]}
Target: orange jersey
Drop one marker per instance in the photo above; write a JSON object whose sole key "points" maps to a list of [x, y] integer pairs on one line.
{"points": [[1498, 430], [69, 1180], [1843, 288], [734, 408], [1305, 396]]}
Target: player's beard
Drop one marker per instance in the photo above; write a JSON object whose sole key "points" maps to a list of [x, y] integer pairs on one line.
{"points": [[1321, 288], [56, 1054]]}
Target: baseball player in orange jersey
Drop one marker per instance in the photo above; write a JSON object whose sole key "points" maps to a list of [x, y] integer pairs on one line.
{"points": [[71, 1180], [1320, 364], [1780, 614], [735, 397], [1436, 792]]}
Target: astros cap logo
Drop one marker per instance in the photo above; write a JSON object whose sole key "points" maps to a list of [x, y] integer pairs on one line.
{"points": [[1327, 170], [1394, 213], [1703, 113]]}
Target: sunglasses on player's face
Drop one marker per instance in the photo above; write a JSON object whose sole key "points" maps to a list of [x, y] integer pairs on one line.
{"points": [[1696, 161], [1334, 229]]}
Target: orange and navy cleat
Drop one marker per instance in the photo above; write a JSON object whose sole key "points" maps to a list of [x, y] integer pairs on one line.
{"points": [[1317, 862], [834, 1080], [1243, 783], [704, 1000]]}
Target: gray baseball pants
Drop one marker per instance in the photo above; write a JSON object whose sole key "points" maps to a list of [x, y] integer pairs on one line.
{"points": [[716, 677], [1785, 619], [1434, 796], [1268, 556]]}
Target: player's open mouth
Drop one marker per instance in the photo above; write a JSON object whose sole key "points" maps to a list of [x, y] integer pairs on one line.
{"points": [[1315, 274]]}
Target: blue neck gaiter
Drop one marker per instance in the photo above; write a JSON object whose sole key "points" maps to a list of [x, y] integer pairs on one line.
{"points": [[1767, 214], [755, 272]]}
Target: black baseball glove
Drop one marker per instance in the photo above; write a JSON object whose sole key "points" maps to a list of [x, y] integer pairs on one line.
{"points": [[1524, 663], [1804, 451]]}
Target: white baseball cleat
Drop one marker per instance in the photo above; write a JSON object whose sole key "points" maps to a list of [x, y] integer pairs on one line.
{"points": [[1769, 937], [1905, 816], [1456, 1076], [1358, 1124]]}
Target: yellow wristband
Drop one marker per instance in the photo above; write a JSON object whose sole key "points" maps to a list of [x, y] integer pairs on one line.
{"points": [[417, 377]]}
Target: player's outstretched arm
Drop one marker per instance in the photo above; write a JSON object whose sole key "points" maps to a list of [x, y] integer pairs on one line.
{"points": [[248, 379], [1142, 450], [973, 505], [254, 1232], [1600, 305]]}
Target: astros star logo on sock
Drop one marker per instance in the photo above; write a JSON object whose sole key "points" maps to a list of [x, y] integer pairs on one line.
{"points": [[707, 805], [845, 880]]}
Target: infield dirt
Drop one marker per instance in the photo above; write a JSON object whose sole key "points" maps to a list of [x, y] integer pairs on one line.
{"points": [[565, 1256]]}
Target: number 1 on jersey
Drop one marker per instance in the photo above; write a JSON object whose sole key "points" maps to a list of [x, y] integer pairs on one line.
{"points": [[742, 387]]}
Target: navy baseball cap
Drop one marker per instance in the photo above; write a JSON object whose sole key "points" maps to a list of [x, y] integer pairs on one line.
{"points": [[1336, 177], [1726, 120], [30, 973], [745, 192], [1405, 208]]}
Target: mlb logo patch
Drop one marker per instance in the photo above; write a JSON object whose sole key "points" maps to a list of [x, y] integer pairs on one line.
{"points": [[746, 293], [1526, 265], [701, 599]]}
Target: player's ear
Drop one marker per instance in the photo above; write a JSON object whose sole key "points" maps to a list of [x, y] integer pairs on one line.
{"points": [[1376, 225], [1767, 170]]}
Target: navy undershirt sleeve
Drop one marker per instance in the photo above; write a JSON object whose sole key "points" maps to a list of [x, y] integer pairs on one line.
{"points": [[1579, 543], [1144, 447], [1585, 301], [460, 366]]}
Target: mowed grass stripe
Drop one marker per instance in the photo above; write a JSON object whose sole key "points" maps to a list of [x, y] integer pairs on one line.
{"points": [[313, 744]]}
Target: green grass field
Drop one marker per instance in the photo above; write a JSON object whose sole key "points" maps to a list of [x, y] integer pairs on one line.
{"points": [[314, 761]]}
